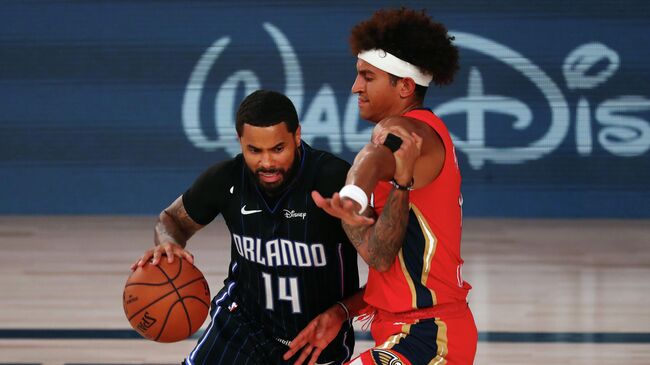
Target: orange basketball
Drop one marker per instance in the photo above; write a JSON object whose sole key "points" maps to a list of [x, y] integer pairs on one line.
{"points": [[166, 302]]}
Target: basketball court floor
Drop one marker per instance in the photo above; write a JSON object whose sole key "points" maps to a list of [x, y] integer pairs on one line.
{"points": [[545, 291]]}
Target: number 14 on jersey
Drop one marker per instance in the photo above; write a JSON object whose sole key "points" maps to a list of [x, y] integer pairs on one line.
{"points": [[287, 291]]}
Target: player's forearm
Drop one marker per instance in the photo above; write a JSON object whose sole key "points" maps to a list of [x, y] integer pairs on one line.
{"points": [[355, 303], [379, 244], [373, 163], [388, 232], [168, 230], [175, 225], [359, 237]]}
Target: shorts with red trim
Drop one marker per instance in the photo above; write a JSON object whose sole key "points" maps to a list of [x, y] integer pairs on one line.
{"points": [[448, 338]]}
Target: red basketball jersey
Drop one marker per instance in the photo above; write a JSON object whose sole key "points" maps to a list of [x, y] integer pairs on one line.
{"points": [[427, 270]]}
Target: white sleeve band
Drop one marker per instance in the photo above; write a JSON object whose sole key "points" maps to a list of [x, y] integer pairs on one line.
{"points": [[355, 193]]}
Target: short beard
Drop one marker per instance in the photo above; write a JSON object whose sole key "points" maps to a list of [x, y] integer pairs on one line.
{"points": [[287, 177]]}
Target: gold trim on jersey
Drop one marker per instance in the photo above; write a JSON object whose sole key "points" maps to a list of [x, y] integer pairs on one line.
{"points": [[409, 280], [395, 339], [441, 341], [431, 242]]}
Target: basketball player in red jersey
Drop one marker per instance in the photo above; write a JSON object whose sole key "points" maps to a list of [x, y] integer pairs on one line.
{"points": [[410, 236]]}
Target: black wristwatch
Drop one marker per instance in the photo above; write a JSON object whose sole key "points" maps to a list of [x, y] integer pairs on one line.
{"points": [[397, 186]]}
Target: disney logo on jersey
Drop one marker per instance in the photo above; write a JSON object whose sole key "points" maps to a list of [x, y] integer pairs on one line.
{"points": [[294, 214], [617, 124]]}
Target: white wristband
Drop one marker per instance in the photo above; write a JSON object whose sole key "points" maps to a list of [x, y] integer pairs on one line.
{"points": [[355, 193]]}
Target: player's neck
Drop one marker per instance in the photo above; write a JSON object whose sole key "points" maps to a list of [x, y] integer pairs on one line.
{"points": [[408, 108], [403, 108]]}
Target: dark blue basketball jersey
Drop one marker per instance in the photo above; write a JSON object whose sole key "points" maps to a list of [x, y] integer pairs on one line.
{"points": [[289, 259]]}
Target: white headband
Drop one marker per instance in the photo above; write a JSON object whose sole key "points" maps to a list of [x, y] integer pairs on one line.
{"points": [[393, 65]]}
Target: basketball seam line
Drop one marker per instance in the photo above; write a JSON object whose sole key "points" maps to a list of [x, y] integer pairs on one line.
{"points": [[187, 314], [163, 297]]}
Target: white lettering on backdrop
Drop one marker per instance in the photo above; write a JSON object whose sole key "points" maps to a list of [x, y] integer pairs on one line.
{"points": [[621, 133]]}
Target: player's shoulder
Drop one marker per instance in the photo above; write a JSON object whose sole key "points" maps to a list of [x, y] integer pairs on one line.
{"points": [[417, 118], [222, 170], [421, 121], [226, 165], [326, 163], [323, 158]]}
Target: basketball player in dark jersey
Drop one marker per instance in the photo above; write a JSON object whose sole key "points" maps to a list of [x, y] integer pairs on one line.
{"points": [[290, 260]]}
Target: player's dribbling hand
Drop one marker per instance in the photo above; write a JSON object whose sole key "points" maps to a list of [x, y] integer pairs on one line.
{"points": [[314, 338], [168, 249], [344, 209]]}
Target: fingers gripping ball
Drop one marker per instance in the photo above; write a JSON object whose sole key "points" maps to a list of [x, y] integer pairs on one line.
{"points": [[166, 302]]}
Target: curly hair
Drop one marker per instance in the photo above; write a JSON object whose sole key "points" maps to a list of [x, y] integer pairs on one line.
{"points": [[411, 36]]}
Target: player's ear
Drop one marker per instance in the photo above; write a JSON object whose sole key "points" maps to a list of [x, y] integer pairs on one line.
{"points": [[406, 87], [297, 136]]}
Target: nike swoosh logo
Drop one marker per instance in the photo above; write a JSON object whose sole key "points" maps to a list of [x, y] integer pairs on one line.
{"points": [[247, 212], [327, 363]]}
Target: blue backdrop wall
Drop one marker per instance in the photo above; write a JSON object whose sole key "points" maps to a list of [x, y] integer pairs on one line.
{"points": [[114, 107]]}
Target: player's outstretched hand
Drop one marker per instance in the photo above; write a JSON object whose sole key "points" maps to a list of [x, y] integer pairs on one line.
{"points": [[168, 249], [314, 338], [344, 209]]}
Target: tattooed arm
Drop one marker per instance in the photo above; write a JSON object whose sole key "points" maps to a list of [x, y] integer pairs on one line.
{"points": [[171, 232], [419, 159], [379, 244], [174, 225], [377, 241]]}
